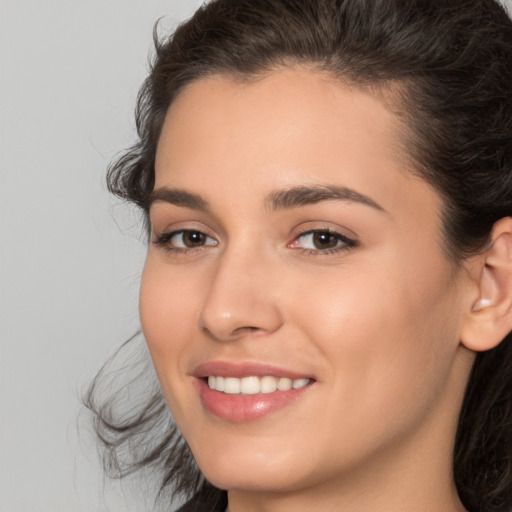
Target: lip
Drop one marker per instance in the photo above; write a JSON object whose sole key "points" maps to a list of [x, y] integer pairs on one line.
{"points": [[245, 408], [239, 370]]}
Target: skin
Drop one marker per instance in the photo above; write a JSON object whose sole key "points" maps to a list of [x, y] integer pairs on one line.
{"points": [[377, 325]]}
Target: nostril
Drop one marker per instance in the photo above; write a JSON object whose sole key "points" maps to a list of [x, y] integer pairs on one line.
{"points": [[226, 317], [245, 330], [230, 335]]}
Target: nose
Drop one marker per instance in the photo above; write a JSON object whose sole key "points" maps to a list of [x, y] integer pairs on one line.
{"points": [[241, 298]]}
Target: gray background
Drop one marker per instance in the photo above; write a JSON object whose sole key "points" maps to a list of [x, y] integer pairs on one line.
{"points": [[70, 256]]}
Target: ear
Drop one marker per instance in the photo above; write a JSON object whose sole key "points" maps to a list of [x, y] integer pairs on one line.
{"points": [[489, 319]]}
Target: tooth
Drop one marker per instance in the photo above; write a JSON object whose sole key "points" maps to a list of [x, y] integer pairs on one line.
{"points": [[250, 385], [268, 384], [299, 383], [284, 384], [231, 385], [254, 385], [219, 383]]}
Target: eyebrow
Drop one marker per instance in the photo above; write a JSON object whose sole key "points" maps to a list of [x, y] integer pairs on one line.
{"points": [[306, 195], [279, 200], [178, 197]]}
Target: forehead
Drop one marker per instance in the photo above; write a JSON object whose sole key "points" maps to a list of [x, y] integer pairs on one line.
{"points": [[288, 126], [292, 101]]}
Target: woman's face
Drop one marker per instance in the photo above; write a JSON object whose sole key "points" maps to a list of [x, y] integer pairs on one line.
{"points": [[291, 247]]}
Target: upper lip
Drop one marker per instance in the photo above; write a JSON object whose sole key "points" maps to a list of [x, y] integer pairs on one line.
{"points": [[245, 369]]}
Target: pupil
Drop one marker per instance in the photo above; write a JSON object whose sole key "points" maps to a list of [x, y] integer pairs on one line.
{"points": [[324, 240], [193, 238]]}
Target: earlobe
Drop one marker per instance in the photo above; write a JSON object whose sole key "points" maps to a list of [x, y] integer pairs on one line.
{"points": [[490, 317]]}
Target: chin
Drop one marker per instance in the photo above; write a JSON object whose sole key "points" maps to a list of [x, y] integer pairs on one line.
{"points": [[252, 479], [249, 470]]}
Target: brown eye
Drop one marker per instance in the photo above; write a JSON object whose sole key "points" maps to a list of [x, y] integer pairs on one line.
{"points": [[325, 240], [322, 241], [183, 240], [192, 238]]}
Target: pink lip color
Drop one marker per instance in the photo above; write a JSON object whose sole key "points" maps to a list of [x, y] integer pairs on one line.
{"points": [[244, 408], [239, 370]]}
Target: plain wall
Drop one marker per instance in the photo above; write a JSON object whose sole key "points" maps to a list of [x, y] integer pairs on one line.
{"points": [[70, 257]]}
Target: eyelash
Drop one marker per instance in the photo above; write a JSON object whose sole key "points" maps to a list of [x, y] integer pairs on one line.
{"points": [[164, 241], [344, 243]]}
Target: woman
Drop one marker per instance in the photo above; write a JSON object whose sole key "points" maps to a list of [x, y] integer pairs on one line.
{"points": [[327, 295]]}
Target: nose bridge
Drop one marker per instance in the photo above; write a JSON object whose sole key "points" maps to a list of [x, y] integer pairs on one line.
{"points": [[240, 298]]}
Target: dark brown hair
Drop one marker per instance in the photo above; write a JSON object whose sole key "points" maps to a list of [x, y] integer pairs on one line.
{"points": [[449, 63]]}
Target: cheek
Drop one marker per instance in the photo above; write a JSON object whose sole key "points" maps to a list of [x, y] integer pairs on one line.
{"points": [[388, 333], [167, 309]]}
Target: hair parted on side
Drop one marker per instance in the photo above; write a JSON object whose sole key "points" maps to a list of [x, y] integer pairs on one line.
{"points": [[451, 63]]}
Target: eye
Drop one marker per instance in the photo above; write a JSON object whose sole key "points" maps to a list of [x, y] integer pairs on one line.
{"points": [[190, 239], [183, 240], [322, 241]]}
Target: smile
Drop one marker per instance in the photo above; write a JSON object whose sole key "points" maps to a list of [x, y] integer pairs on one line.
{"points": [[254, 385], [241, 392]]}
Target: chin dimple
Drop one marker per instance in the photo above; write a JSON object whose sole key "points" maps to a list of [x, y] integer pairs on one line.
{"points": [[254, 385]]}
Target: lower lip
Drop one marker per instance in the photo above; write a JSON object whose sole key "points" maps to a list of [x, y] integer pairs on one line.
{"points": [[243, 408]]}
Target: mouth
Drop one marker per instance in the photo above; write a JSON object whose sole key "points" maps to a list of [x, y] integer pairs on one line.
{"points": [[247, 392]]}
